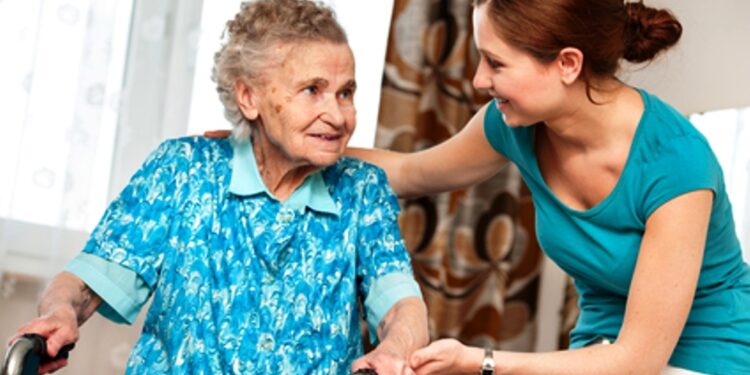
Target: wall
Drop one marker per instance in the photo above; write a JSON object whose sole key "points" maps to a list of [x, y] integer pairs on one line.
{"points": [[708, 69]]}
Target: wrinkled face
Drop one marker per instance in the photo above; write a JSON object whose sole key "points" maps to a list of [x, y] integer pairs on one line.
{"points": [[305, 103], [525, 90]]}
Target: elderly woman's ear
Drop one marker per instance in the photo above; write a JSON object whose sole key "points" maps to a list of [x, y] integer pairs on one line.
{"points": [[245, 100]]}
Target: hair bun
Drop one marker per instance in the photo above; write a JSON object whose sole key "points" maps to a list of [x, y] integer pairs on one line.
{"points": [[649, 31]]}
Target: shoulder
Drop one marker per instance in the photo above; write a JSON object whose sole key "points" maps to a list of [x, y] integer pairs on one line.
{"points": [[195, 146], [184, 150], [666, 133], [354, 179], [350, 170]]}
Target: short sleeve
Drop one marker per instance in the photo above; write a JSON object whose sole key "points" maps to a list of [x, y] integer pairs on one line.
{"points": [[384, 265], [684, 164], [123, 292], [494, 127], [514, 143], [133, 230]]}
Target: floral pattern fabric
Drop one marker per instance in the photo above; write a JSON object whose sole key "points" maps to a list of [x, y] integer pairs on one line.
{"points": [[245, 284]]}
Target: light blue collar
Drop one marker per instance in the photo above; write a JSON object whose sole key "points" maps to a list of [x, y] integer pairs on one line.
{"points": [[246, 181]]}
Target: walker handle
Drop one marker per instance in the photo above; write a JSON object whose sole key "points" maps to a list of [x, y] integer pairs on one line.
{"points": [[27, 353], [365, 371]]}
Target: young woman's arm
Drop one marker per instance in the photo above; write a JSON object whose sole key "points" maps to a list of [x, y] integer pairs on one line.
{"points": [[661, 294], [464, 159]]}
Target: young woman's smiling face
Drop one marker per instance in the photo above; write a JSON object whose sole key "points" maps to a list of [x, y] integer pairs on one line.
{"points": [[305, 103], [525, 90]]}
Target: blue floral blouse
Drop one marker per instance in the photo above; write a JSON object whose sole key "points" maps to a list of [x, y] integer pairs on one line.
{"points": [[240, 282]]}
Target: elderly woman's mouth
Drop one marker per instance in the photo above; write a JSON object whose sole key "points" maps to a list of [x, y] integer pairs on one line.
{"points": [[327, 137]]}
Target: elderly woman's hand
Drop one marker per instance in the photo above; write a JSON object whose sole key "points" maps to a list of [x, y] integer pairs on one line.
{"points": [[59, 328], [384, 362]]}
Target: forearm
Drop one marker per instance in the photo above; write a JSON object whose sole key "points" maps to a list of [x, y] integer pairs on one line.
{"points": [[67, 291], [404, 328], [600, 359], [413, 175]]}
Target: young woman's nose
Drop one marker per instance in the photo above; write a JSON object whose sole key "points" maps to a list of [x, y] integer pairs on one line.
{"points": [[482, 77]]}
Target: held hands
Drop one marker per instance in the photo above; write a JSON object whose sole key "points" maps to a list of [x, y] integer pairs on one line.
{"points": [[447, 356], [383, 362], [60, 327]]}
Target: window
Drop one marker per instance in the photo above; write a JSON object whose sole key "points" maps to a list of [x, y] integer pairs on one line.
{"points": [[727, 131], [62, 71]]}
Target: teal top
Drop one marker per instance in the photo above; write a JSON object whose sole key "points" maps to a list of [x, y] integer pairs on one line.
{"points": [[598, 247], [240, 282]]}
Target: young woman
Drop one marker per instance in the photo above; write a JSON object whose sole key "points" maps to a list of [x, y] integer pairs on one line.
{"points": [[629, 198]]}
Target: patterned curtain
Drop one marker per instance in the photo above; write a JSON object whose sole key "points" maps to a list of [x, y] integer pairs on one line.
{"points": [[474, 251]]}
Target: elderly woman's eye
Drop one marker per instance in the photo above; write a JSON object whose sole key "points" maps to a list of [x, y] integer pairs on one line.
{"points": [[346, 94]]}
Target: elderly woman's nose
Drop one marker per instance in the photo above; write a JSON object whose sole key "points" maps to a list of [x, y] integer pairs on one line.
{"points": [[332, 112]]}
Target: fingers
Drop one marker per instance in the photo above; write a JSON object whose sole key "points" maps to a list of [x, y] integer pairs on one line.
{"points": [[440, 353], [53, 366], [57, 332], [432, 368], [360, 364], [39, 326], [424, 355], [58, 339]]}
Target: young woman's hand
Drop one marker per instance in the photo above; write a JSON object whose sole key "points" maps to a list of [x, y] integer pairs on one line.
{"points": [[447, 356]]}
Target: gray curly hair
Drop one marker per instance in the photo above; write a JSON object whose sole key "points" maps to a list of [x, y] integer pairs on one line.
{"points": [[248, 50]]}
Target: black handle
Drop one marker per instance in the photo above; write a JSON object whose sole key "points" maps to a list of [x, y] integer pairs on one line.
{"points": [[365, 371], [40, 348], [38, 355]]}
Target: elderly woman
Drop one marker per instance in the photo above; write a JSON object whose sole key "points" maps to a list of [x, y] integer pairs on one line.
{"points": [[255, 249]]}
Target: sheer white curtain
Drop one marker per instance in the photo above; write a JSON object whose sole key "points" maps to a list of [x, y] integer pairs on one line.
{"points": [[728, 132], [88, 89], [61, 74]]}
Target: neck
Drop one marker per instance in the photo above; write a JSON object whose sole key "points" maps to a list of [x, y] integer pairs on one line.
{"points": [[281, 175], [586, 126]]}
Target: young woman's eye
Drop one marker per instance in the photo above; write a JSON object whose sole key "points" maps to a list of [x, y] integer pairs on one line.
{"points": [[494, 64]]}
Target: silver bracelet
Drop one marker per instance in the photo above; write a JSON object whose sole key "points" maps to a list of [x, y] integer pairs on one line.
{"points": [[488, 363]]}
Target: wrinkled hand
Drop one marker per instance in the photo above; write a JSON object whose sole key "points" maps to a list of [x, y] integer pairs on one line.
{"points": [[59, 327], [447, 356], [384, 362]]}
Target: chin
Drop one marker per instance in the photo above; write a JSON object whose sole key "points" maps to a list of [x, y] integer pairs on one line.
{"points": [[325, 160], [515, 122]]}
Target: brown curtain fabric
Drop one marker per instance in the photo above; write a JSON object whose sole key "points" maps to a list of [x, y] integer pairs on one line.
{"points": [[569, 314], [474, 251]]}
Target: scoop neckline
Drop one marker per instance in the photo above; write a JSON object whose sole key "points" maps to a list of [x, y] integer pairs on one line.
{"points": [[601, 205]]}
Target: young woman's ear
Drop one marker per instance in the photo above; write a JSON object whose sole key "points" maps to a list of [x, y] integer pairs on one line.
{"points": [[570, 63], [243, 94]]}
